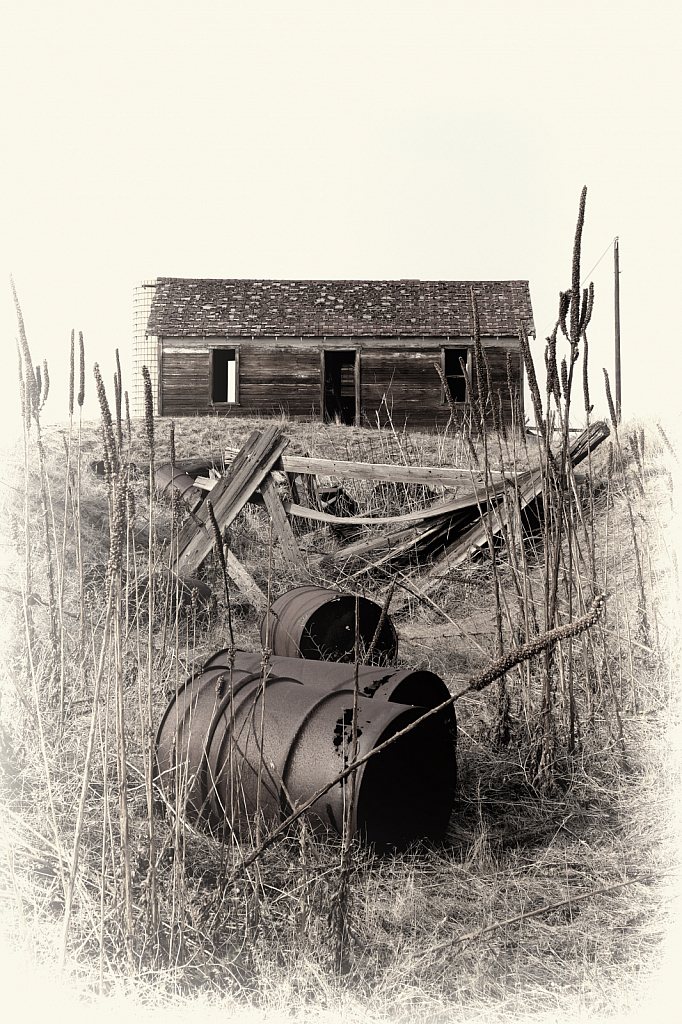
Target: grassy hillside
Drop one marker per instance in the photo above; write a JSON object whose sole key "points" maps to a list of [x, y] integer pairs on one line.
{"points": [[552, 893]]}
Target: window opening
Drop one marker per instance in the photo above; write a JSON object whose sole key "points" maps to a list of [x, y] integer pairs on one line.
{"points": [[224, 375], [453, 372]]}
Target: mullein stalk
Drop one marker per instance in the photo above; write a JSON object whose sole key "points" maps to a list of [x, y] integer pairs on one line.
{"points": [[79, 548], [340, 901], [149, 744], [32, 406], [484, 397], [117, 397], [66, 508]]}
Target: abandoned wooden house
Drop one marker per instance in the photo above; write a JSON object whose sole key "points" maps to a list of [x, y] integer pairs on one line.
{"points": [[351, 351]]}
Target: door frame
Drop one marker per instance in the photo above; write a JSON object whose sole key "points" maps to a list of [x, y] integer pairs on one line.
{"points": [[356, 375]]}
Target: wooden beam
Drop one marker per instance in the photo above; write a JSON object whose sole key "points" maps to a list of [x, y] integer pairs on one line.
{"points": [[228, 497], [438, 476], [246, 584], [281, 524]]}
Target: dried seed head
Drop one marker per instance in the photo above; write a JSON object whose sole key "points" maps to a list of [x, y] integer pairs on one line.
{"points": [[148, 409], [510, 376], [481, 379], [609, 399], [46, 383], [72, 369], [588, 305], [532, 380], [586, 385], [550, 363], [117, 530], [216, 534], [575, 271], [130, 504], [172, 443], [110, 454], [117, 398], [564, 305], [81, 369], [474, 405], [39, 388], [22, 388], [177, 506], [489, 389], [564, 379], [129, 426], [31, 385]]}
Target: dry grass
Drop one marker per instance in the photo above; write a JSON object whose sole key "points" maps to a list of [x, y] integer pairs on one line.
{"points": [[513, 848]]}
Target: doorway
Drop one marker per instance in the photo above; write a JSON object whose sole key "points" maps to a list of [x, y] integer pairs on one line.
{"points": [[340, 377]]}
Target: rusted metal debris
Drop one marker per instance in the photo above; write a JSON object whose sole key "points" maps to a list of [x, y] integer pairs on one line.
{"points": [[320, 624], [236, 740]]}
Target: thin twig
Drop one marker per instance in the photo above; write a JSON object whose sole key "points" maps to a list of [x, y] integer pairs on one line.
{"points": [[548, 907]]}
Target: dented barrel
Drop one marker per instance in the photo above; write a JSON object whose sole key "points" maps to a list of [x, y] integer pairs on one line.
{"points": [[169, 478], [185, 592], [400, 686], [403, 686], [226, 735], [316, 623]]}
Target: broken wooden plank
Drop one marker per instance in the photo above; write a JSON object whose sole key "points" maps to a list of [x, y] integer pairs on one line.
{"points": [[246, 584], [587, 441], [437, 476], [363, 547], [228, 497], [281, 524], [420, 537], [529, 489], [474, 537], [438, 510]]}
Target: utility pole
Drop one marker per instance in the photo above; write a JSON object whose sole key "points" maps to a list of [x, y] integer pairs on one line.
{"points": [[616, 293]]}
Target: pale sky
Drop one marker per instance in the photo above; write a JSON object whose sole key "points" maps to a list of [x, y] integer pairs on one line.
{"points": [[367, 140]]}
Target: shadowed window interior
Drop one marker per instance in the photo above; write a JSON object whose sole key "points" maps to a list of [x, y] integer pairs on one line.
{"points": [[453, 373], [223, 375]]}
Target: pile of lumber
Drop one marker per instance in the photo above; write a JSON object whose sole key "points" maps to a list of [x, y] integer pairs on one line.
{"points": [[451, 527]]}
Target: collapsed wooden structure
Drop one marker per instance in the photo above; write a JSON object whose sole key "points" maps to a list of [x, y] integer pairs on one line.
{"points": [[444, 532]]}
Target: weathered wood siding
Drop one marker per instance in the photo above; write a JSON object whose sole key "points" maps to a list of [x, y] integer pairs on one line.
{"points": [[412, 387], [184, 382], [272, 379], [408, 381], [499, 383], [282, 379], [276, 378]]}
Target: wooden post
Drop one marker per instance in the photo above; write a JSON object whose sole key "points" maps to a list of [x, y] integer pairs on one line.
{"points": [[616, 272]]}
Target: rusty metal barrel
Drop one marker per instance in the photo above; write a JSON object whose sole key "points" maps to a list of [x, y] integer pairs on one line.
{"points": [[403, 686], [319, 624], [184, 592], [226, 734], [168, 478]]}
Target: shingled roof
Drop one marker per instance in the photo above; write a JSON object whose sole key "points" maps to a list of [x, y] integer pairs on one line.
{"points": [[186, 307]]}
